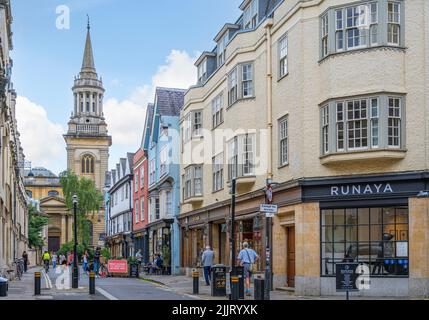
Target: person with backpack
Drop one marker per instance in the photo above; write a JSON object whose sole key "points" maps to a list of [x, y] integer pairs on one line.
{"points": [[247, 258]]}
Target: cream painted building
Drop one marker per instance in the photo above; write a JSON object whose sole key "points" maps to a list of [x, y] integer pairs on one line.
{"points": [[87, 139], [13, 200], [327, 100]]}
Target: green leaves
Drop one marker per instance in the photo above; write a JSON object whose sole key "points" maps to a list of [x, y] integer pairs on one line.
{"points": [[90, 200], [35, 227]]}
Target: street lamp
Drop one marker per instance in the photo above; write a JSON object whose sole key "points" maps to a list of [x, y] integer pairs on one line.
{"points": [[75, 280], [234, 285]]}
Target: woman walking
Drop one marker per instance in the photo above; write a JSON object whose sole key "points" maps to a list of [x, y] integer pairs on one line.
{"points": [[54, 259], [85, 262]]}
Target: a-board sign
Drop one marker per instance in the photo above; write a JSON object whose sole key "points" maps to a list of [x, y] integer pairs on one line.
{"points": [[117, 266], [346, 276]]}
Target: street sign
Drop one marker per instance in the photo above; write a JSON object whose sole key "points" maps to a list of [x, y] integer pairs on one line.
{"points": [[268, 208], [346, 276]]}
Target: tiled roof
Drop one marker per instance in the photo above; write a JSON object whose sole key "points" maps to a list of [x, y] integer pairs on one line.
{"points": [[169, 101]]}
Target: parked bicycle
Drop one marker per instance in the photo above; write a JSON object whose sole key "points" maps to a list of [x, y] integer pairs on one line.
{"points": [[19, 268]]}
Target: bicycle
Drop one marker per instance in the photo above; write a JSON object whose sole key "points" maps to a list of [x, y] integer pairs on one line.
{"points": [[46, 262], [19, 268]]}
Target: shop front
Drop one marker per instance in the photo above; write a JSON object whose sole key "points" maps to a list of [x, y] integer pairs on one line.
{"points": [[159, 242], [141, 242], [376, 221]]}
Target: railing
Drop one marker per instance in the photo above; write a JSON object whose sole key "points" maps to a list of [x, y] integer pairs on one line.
{"points": [[87, 128]]}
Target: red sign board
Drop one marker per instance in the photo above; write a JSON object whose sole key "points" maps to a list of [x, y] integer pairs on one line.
{"points": [[117, 266]]}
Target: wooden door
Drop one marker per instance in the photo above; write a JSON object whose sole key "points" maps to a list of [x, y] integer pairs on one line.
{"points": [[291, 257], [53, 244]]}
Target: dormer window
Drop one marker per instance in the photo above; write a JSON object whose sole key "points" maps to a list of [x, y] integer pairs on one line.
{"points": [[250, 16], [221, 50], [202, 71]]}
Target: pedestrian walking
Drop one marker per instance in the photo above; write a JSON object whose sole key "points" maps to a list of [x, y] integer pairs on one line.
{"points": [[139, 257], [207, 261], [70, 258], [97, 255], [25, 258], [54, 259], [247, 258], [85, 261], [62, 259]]}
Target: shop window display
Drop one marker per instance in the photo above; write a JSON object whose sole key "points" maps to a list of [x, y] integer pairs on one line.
{"points": [[377, 237], [250, 231]]}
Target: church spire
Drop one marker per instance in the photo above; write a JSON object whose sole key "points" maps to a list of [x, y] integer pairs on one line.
{"points": [[88, 57]]}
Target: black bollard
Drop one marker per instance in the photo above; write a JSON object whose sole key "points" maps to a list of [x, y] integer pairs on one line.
{"points": [[37, 283], [259, 289], [235, 290], [92, 283], [196, 282]]}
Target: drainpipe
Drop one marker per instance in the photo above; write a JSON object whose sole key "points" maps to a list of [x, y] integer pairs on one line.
{"points": [[269, 111]]}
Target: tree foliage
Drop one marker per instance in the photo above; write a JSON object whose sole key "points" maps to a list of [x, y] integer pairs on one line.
{"points": [[90, 200], [35, 227]]}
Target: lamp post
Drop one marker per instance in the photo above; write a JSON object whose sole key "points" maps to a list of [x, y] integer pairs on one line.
{"points": [[234, 286], [75, 276]]}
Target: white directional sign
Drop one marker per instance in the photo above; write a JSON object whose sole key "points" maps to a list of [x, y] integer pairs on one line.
{"points": [[269, 209]]}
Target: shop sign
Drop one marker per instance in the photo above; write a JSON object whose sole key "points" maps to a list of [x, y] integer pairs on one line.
{"points": [[346, 277], [117, 266], [361, 189]]}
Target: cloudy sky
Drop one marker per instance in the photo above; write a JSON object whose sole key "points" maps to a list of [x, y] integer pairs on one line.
{"points": [[138, 45]]}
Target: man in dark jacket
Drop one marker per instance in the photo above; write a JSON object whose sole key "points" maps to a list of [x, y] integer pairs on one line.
{"points": [[97, 255]]}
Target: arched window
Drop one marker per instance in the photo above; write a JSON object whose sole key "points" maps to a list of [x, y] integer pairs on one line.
{"points": [[87, 164], [53, 193]]}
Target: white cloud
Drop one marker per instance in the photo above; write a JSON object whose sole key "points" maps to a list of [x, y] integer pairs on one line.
{"points": [[41, 138], [125, 119]]}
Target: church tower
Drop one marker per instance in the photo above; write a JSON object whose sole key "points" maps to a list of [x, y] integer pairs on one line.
{"points": [[87, 138]]}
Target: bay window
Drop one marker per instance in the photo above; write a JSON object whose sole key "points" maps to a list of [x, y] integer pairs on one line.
{"points": [[362, 124], [217, 110], [242, 76], [192, 182], [241, 156], [232, 87], [192, 125], [247, 80], [358, 26], [217, 164]]}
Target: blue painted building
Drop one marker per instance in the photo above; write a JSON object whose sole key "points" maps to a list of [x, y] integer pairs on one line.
{"points": [[164, 178]]}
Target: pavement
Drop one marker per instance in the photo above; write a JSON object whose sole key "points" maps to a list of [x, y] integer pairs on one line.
{"points": [[184, 284], [55, 285]]}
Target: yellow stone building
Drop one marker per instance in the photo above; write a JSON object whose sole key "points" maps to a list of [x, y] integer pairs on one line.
{"points": [[44, 186], [327, 100], [87, 139]]}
